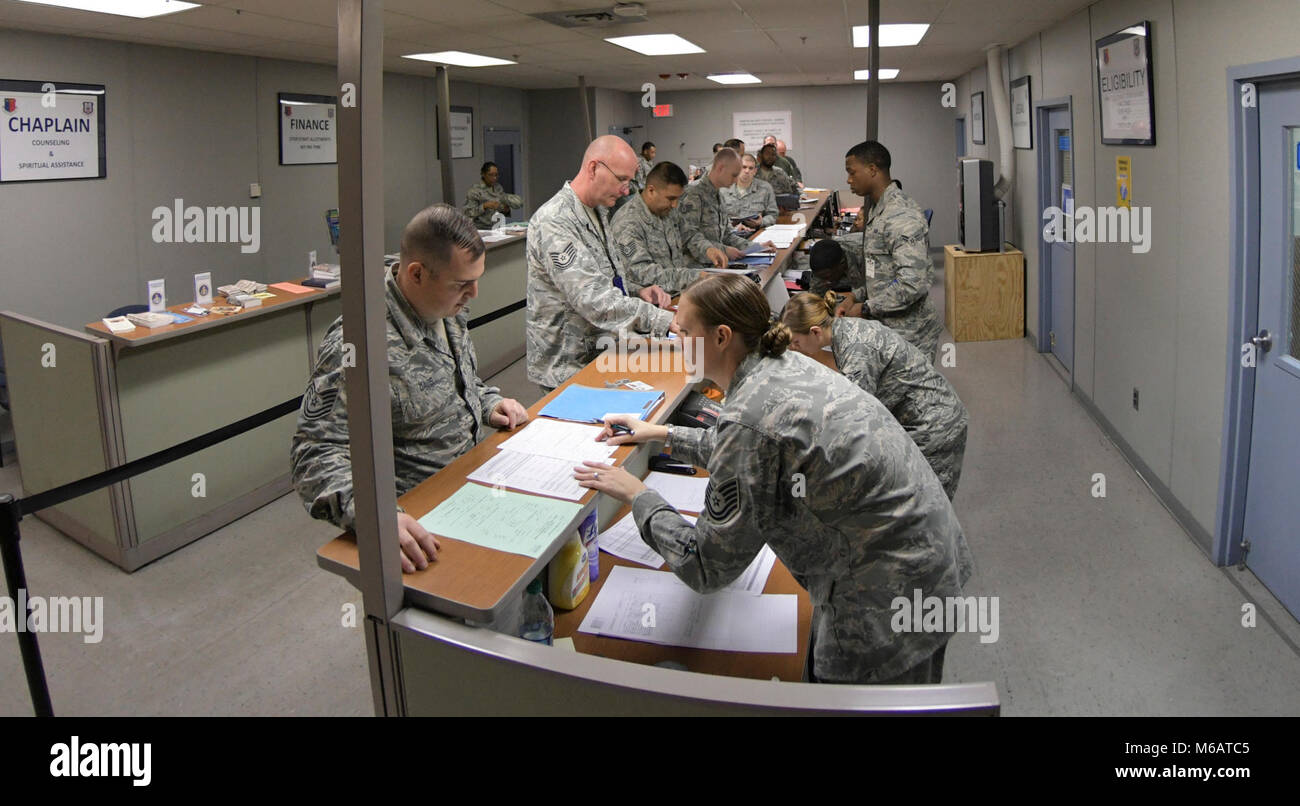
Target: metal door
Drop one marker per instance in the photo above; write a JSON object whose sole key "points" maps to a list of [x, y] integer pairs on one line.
{"points": [[1056, 166], [505, 148], [1272, 522]]}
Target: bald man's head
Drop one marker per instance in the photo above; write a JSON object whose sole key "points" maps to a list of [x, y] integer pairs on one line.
{"points": [[726, 167], [608, 166], [780, 147]]}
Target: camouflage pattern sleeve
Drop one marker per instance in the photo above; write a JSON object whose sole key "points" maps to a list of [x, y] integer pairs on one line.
{"points": [[474, 201], [513, 201], [320, 458], [691, 209], [577, 275], [854, 258], [905, 238], [693, 445], [770, 210], [741, 499], [692, 240]]}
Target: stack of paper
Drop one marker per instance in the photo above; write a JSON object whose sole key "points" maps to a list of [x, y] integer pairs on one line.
{"points": [[683, 493], [655, 607], [560, 440], [782, 235], [623, 540], [501, 520], [541, 457]]}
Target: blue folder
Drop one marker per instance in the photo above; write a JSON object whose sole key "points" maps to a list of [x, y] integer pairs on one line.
{"points": [[587, 404]]}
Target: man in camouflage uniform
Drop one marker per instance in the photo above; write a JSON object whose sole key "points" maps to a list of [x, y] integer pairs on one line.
{"points": [[890, 369], [656, 246], [803, 460], [787, 163], [575, 286], [645, 164], [750, 198], [440, 407], [488, 197], [701, 204], [890, 259], [774, 176]]}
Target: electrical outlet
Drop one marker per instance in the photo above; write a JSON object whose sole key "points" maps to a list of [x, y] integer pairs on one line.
{"points": [[255, 190], [1135, 398]]}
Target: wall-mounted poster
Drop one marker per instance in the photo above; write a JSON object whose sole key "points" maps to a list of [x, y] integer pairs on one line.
{"points": [[752, 127], [1124, 84], [977, 118], [1022, 129], [462, 132], [50, 131], [308, 129]]}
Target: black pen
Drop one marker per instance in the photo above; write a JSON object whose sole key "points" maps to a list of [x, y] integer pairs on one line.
{"points": [[620, 429]]}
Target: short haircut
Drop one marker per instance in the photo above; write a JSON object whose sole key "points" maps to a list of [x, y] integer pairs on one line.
{"points": [[431, 234], [735, 143], [487, 166], [645, 145], [725, 154], [748, 155], [665, 174], [716, 146], [825, 254], [870, 152], [900, 184]]}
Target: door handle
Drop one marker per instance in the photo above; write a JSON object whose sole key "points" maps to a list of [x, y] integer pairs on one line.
{"points": [[1263, 342]]}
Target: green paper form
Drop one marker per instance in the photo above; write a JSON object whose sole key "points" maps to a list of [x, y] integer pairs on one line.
{"points": [[502, 520]]}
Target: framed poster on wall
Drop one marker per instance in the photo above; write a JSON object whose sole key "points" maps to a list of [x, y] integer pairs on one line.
{"points": [[462, 132], [308, 129], [1125, 88], [1022, 127], [51, 131], [977, 118]]}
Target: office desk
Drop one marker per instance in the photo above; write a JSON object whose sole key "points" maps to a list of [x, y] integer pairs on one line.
{"points": [[496, 316]]}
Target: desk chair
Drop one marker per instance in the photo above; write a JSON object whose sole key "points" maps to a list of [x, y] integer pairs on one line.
{"points": [[928, 215], [125, 309]]}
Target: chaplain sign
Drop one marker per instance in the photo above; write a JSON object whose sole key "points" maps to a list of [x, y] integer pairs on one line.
{"points": [[49, 132]]}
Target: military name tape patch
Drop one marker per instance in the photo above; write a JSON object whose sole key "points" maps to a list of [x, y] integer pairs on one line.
{"points": [[722, 500], [563, 260], [317, 404]]}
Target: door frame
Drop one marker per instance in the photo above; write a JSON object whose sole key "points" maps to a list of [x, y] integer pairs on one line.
{"points": [[1042, 110], [1243, 300]]}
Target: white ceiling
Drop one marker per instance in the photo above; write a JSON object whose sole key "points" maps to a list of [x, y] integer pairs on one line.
{"points": [[784, 42]]}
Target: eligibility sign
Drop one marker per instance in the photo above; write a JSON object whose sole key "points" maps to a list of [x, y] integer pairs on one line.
{"points": [[51, 133]]}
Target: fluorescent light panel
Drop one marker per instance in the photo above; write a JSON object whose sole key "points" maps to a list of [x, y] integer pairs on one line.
{"points": [[458, 59], [656, 44], [124, 8], [886, 73], [891, 36], [735, 78]]}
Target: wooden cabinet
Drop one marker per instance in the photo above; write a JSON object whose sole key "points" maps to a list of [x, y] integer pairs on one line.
{"points": [[984, 294]]}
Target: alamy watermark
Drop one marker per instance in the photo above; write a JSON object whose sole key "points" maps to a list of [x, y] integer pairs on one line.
{"points": [[74, 614], [181, 224], [635, 354], [1100, 225], [947, 614]]}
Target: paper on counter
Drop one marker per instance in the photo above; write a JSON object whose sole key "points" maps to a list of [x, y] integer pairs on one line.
{"points": [[543, 475], [683, 493], [754, 578], [654, 606], [293, 288], [623, 540], [574, 442], [501, 520]]}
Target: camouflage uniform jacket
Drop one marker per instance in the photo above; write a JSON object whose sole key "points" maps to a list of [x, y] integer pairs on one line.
{"points": [[805, 461], [885, 366], [643, 169], [440, 408], [777, 178], [757, 200], [656, 250], [889, 262], [701, 207], [480, 194], [571, 298], [788, 165]]}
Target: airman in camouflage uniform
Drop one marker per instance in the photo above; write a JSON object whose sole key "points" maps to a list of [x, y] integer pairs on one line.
{"points": [[481, 194], [702, 209], [889, 263], [657, 250], [885, 366], [756, 201], [572, 299], [787, 163], [803, 460], [440, 408], [780, 181]]}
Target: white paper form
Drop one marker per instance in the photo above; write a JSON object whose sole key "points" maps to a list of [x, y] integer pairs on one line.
{"points": [[543, 475], [683, 493], [654, 606], [560, 440], [623, 540]]}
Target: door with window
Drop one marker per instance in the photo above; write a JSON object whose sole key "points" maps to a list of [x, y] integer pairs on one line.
{"points": [[1056, 167], [1272, 522], [505, 147]]}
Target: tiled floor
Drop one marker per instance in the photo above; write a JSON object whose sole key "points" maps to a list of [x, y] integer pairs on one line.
{"points": [[1105, 605]]}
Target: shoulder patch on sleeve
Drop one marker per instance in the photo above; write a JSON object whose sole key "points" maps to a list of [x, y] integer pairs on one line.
{"points": [[563, 260], [316, 404], [722, 501], [627, 248]]}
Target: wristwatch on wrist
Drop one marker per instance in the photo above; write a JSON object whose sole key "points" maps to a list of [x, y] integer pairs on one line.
{"points": [[668, 441]]}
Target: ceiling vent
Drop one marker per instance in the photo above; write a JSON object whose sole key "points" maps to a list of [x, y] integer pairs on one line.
{"points": [[621, 14]]}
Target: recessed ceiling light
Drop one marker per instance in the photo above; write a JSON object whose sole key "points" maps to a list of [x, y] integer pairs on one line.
{"points": [[891, 36], [458, 58], [124, 8], [735, 78], [656, 44], [886, 73]]}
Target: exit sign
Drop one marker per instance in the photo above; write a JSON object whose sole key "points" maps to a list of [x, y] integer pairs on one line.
{"points": [[664, 111]]}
